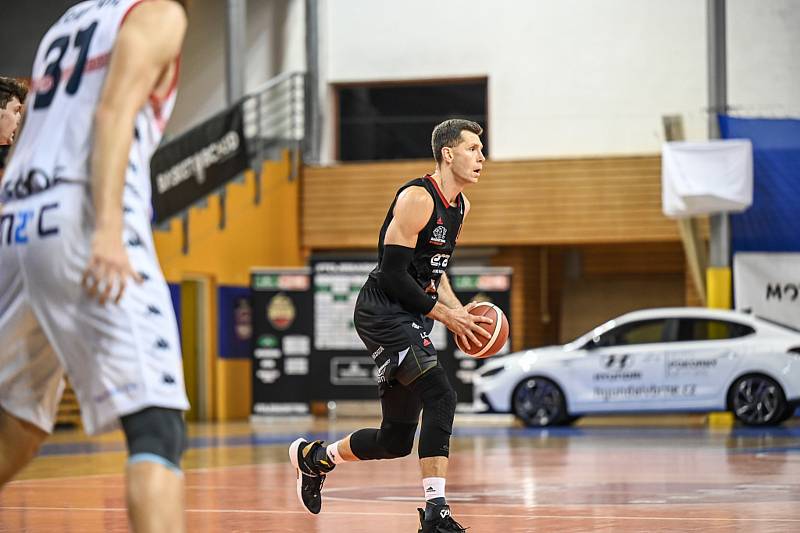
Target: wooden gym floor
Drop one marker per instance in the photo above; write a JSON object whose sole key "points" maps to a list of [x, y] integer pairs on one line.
{"points": [[619, 475]]}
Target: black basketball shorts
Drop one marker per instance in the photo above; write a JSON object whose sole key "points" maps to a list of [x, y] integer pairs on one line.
{"points": [[397, 340]]}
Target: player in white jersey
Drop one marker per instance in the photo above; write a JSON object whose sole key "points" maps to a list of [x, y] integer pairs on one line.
{"points": [[81, 290]]}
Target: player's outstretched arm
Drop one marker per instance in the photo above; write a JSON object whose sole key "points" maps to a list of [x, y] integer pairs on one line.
{"points": [[148, 42]]}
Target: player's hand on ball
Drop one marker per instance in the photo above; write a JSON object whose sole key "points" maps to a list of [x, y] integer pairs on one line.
{"points": [[109, 268], [466, 328]]}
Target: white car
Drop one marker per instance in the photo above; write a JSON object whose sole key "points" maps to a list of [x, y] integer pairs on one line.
{"points": [[670, 359]]}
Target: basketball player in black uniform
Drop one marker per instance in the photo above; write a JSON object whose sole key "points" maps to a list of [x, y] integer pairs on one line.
{"points": [[394, 316]]}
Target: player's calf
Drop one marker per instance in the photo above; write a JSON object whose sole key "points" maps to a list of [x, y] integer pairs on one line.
{"points": [[19, 444]]}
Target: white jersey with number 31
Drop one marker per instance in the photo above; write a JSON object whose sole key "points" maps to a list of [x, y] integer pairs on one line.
{"points": [[68, 76]]}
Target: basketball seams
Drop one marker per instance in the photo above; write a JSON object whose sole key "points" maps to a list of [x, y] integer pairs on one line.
{"points": [[498, 326]]}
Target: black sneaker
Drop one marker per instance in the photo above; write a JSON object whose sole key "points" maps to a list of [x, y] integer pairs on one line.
{"points": [[310, 477], [440, 522]]}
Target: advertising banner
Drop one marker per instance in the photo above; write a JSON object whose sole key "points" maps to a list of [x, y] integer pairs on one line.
{"points": [[768, 285], [282, 343], [341, 367], [195, 164]]}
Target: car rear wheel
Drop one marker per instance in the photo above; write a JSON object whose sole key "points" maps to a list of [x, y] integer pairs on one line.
{"points": [[757, 400], [539, 402]]}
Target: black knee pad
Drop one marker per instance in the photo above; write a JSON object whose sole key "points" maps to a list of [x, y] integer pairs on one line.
{"points": [[393, 440], [155, 434], [439, 401], [397, 438]]}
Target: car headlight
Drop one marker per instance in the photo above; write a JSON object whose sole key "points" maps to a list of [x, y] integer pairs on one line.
{"points": [[492, 372]]}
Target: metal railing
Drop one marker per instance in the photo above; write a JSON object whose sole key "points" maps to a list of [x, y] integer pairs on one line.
{"points": [[274, 115], [273, 120]]}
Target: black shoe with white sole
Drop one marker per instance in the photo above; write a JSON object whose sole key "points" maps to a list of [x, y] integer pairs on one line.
{"points": [[310, 473], [440, 522]]}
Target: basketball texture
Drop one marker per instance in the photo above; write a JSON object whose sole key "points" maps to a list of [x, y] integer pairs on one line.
{"points": [[498, 329]]}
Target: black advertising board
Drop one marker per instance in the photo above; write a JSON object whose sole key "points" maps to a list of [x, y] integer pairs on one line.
{"points": [[282, 340], [195, 164], [342, 369]]}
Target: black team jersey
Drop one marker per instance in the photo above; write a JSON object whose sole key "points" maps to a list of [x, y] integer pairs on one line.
{"points": [[436, 241]]}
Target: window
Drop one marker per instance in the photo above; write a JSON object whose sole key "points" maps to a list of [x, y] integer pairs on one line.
{"points": [[702, 329], [378, 122], [642, 332]]}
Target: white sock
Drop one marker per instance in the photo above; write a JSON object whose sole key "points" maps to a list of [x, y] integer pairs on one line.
{"points": [[433, 487], [333, 452]]}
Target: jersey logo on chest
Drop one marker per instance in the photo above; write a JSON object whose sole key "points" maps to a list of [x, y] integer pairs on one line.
{"points": [[439, 236]]}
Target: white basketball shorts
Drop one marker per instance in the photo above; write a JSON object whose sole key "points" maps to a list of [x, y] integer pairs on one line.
{"points": [[120, 358]]}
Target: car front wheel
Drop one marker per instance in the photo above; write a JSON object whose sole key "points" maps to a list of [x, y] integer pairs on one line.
{"points": [[757, 400], [539, 402]]}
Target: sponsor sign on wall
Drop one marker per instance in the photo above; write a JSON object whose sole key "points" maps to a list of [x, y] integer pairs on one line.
{"points": [[305, 346], [281, 333], [342, 368], [768, 284]]}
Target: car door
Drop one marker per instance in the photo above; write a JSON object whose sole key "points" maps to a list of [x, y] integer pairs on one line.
{"points": [[622, 368], [705, 358]]}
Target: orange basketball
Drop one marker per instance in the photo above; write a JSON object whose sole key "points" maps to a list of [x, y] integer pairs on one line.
{"points": [[498, 329]]}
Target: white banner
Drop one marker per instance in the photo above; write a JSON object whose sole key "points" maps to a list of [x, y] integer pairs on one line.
{"points": [[706, 177], [769, 285]]}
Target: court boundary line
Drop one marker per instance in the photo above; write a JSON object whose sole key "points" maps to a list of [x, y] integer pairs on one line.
{"points": [[361, 513]]}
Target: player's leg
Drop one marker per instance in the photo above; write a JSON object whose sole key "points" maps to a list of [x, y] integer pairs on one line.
{"points": [[439, 406], [156, 439], [155, 428], [155, 498], [30, 374], [121, 358], [395, 438], [419, 371], [402, 355], [19, 443]]}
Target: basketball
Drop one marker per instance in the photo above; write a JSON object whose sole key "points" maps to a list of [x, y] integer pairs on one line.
{"points": [[498, 329]]}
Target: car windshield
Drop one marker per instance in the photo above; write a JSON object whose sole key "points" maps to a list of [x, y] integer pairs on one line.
{"points": [[581, 341]]}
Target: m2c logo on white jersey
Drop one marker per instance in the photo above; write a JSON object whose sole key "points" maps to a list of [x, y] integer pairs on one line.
{"points": [[17, 227]]}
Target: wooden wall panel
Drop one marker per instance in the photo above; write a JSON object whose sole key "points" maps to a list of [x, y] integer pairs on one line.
{"points": [[637, 258], [535, 293], [560, 292], [558, 201], [589, 302]]}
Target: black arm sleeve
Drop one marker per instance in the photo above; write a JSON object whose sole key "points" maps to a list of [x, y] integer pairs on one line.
{"points": [[394, 280]]}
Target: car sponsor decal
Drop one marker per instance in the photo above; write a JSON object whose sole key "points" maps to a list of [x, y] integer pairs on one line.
{"points": [[683, 365], [617, 367], [632, 392]]}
